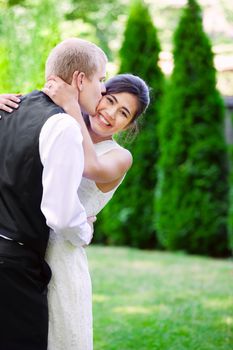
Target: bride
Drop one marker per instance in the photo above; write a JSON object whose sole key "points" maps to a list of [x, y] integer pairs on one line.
{"points": [[106, 163]]}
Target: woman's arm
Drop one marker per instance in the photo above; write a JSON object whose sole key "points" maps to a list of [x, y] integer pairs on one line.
{"points": [[9, 101], [106, 168]]}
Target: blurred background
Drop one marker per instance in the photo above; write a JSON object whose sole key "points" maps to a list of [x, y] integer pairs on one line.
{"points": [[178, 196], [153, 291]]}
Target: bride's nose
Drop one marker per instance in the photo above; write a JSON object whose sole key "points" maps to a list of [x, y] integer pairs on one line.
{"points": [[111, 112]]}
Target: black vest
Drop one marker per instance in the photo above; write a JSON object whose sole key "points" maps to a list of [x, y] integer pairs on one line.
{"points": [[21, 171]]}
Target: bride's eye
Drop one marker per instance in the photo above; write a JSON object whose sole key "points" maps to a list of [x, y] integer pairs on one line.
{"points": [[124, 114], [110, 100]]}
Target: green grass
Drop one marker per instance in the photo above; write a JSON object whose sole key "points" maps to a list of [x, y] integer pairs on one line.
{"points": [[160, 301]]}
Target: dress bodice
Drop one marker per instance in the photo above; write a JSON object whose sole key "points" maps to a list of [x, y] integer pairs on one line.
{"points": [[91, 197]]}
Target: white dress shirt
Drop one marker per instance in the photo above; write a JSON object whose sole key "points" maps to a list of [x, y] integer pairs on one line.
{"points": [[61, 153]]}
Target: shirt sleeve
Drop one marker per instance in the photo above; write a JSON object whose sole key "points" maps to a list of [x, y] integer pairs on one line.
{"points": [[62, 157]]}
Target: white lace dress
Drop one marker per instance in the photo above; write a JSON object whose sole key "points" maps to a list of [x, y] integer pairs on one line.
{"points": [[70, 292]]}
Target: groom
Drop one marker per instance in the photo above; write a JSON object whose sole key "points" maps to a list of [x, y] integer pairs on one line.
{"points": [[41, 166]]}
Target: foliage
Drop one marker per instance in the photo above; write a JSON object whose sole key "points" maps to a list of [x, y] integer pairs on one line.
{"points": [[15, 2], [132, 208], [191, 196], [160, 301], [27, 35], [230, 214], [103, 16]]}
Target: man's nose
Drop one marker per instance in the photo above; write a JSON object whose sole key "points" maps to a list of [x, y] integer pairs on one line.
{"points": [[103, 88]]}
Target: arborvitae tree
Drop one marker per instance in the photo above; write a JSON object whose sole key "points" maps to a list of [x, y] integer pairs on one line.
{"points": [[191, 197], [128, 218], [230, 214]]}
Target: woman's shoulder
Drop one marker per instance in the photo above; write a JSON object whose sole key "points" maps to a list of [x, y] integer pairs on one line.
{"points": [[109, 145], [114, 152], [123, 156], [113, 146]]}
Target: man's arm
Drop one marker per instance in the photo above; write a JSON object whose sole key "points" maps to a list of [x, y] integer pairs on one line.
{"points": [[61, 153]]}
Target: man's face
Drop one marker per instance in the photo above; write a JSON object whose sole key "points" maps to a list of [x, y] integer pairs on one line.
{"points": [[92, 90]]}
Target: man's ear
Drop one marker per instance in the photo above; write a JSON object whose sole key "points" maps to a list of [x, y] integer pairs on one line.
{"points": [[78, 79]]}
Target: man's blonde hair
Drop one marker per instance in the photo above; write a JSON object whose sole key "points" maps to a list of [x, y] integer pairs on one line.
{"points": [[72, 55]]}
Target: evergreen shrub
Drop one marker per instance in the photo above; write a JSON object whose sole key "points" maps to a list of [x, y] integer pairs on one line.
{"points": [[128, 218], [192, 192]]}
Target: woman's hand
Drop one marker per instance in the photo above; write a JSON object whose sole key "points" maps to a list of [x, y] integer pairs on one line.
{"points": [[8, 102], [63, 94]]}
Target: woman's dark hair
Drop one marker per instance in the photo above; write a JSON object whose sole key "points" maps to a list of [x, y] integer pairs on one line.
{"points": [[131, 84]]}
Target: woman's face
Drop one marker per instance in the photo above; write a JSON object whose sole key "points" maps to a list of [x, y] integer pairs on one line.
{"points": [[114, 114]]}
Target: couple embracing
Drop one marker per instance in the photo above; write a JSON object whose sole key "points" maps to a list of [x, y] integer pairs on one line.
{"points": [[59, 167]]}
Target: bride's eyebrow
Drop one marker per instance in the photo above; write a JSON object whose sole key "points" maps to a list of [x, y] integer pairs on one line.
{"points": [[126, 109], [114, 97]]}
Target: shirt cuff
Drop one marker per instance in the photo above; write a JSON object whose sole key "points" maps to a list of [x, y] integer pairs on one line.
{"points": [[77, 236]]}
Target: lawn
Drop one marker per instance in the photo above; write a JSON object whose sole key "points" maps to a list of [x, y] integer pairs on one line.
{"points": [[160, 301]]}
